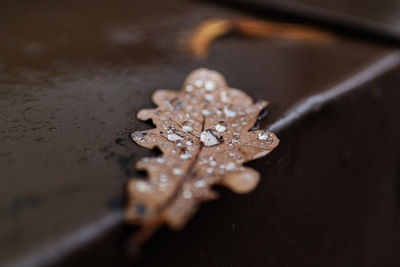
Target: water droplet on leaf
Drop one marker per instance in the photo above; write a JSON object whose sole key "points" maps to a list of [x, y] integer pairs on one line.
{"points": [[187, 126], [220, 127], [209, 139]]}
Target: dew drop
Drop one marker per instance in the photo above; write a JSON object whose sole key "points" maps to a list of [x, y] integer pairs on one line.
{"points": [[220, 127], [208, 138], [185, 155], [209, 97], [209, 85], [187, 126], [229, 113], [163, 186], [163, 178], [205, 112], [177, 171], [230, 166], [174, 137], [187, 193], [177, 104], [138, 135], [200, 183], [263, 136], [199, 83], [143, 187], [189, 88], [224, 97]]}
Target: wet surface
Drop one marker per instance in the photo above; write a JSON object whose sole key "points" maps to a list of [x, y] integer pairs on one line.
{"points": [[72, 77], [373, 17], [329, 197]]}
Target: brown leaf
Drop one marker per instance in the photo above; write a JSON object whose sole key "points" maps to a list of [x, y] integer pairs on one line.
{"points": [[203, 133], [199, 41]]}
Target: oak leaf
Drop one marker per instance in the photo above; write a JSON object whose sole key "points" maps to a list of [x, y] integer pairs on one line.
{"points": [[204, 133]]}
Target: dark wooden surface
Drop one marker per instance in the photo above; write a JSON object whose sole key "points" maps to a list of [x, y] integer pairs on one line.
{"points": [[379, 18], [73, 74]]}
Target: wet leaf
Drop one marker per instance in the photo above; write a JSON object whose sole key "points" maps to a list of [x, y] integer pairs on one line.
{"points": [[203, 133]]}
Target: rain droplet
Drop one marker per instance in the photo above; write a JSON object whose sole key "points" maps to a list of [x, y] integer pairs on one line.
{"points": [[185, 155], [177, 171], [228, 112], [199, 83], [138, 135], [189, 88], [174, 137], [200, 183], [187, 193], [208, 138], [143, 187], [220, 127], [163, 178], [209, 97], [177, 104], [263, 136], [187, 126], [209, 85], [205, 112], [230, 166], [224, 97]]}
